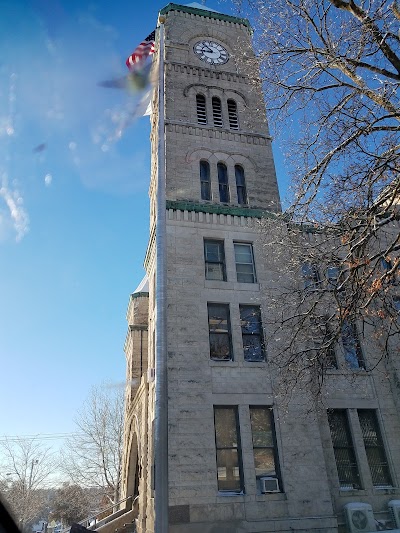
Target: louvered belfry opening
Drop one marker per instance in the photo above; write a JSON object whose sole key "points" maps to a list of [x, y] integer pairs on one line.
{"points": [[201, 109], [232, 115], [217, 112]]}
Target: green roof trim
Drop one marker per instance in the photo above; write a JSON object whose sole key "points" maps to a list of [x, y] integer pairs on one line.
{"points": [[139, 294], [204, 13], [219, 209]]}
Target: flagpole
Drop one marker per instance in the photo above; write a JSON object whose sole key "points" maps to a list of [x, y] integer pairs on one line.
{"points": [[161, 383]]}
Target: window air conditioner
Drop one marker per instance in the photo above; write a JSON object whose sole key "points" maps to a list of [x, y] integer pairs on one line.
{"points": [[394, 509], [359, 517], [151, 374], [269, 484]]}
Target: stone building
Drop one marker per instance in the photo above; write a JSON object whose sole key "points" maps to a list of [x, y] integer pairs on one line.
{"points": [[238, 460]]}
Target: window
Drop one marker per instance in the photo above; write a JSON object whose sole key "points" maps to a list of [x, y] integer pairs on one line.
{"points": [[351, 345], [214, 260], [232, 115], [374, 448], [244, 259], [324, 341], [310, 276], [250, 321], [217, 111], [386, 264], [229, 461], [240, 185], [396, 304], [332, 277], [346, 463], [220, 332], [223, 183], [201, 109], [264, 442], [205, 182]]}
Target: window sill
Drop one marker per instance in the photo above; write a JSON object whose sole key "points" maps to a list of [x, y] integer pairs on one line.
{"points": [[218, 284], [386, 490], [271, 497], [254, 364], [352, 371], [223, 363], [240, 286], [239, 496], [343, 490]]}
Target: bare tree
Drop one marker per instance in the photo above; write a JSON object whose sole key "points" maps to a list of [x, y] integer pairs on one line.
{"points": [[93, 456], [71, 504], [331, 75], [25, 469]]}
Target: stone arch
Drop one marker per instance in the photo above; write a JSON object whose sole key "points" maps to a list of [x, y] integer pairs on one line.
{"points": [[134, 467], [205, 89]]}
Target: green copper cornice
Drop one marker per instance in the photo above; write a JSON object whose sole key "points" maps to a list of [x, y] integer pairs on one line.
{"points": [[139, 295], [204, 13], [219, 209]]}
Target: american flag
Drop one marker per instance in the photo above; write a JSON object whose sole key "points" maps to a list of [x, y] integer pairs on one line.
{"points": [[142, 51]]}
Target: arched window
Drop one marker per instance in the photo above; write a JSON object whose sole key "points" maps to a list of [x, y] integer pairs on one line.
{"points": [[217, 111], [205, 183], [223, 183], [240, 185], [232, 115], [201, 109]]}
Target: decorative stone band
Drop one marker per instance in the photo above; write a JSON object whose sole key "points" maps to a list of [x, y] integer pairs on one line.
{"points": [[224, 134], [219, 209], [203, 73]]}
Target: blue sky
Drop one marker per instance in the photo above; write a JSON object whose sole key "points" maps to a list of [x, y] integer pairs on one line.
{"points": [[73, 203]]}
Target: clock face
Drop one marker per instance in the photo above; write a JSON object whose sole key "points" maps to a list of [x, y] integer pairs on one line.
{"points": [[211, 52]]}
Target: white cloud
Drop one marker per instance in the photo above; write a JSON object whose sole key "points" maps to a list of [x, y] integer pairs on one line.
{"points": [[12, 212], [48, 179]]}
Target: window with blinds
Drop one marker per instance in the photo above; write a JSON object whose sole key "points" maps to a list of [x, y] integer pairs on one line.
{"points": [[244, 259]]}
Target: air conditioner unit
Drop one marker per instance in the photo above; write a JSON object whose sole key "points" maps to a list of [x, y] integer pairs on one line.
{"points": [[269, 484], [151, 374], [359, 517], [394, 509]]}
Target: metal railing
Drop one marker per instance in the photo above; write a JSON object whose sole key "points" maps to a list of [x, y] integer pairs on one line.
{"points": [[92, 521]]}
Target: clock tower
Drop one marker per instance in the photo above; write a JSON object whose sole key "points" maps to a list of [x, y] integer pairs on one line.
{"points": [[203, 431]]}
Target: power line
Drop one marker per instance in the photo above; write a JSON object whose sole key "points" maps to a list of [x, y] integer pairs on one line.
{"points": [[38, 436]]}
